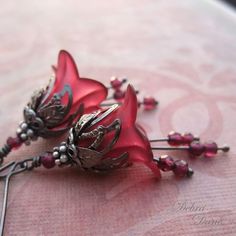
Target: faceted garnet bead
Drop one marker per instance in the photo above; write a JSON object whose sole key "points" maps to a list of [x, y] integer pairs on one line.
{"points": [[166, 163], [14, 143], [116, 83], [47, 160], [187, 138], [181, 168], [196, 148], [119, 95], [149, 103], [210, 149], [174, 139]]}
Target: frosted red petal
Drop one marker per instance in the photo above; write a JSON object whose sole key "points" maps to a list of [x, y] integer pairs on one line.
{"points": [[132, 138]]}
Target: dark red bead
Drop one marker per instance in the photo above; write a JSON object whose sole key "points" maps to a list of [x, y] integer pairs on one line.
{"points": [[14, 143], [47, 160], [210, 149], [166, 163], [149, 103], [187, 138], [119, 95], [115, 83], [196, 148], [174, 139], [181, 168]]}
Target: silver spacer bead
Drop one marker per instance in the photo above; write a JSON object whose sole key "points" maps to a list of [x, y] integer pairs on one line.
{"points": [[18, 131], [63, 158], [62, 148], [23, 136], [56, 154], [24, 126], [30, 133]]}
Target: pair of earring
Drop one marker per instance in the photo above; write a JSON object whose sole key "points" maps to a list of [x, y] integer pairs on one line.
{"points": [[81, 106], [101, 135]]}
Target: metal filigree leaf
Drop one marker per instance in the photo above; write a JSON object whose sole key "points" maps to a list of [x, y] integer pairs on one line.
{"points": [[113, 163], [53, 112], [36, 99], [89, 158]]}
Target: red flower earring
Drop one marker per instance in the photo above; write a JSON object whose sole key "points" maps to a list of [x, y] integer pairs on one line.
{"points": [[108, 139], [101, 136], [53, 110], [98, 141]]}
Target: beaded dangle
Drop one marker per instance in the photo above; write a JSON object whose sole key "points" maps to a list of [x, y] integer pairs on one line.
{"points": [[188, 142], [149, 103]]}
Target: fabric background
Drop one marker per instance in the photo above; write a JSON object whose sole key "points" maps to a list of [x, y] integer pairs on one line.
{"points": [[184, 53]]}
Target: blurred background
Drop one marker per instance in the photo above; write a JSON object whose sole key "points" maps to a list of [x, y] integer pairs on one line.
{"points": [[232, 2]]}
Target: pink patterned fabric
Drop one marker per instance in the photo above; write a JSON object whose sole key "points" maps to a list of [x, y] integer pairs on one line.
{"points": [[183, 52]]}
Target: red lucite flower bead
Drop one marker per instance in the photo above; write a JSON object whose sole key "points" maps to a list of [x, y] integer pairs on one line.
{"points": [[87, 91], [132, 138], [47, 160], [175, 139], [149, 103], [14, 143], [181, 168], [210, 149], [196, 148], [64, 100]]}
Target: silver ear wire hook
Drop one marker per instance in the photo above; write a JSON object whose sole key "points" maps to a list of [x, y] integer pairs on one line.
{"points": [[6, 172]]}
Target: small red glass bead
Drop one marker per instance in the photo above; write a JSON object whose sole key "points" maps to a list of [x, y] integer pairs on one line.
{"points": [[14, 143], [166, 163], [48, 160], [181, 168], [196, 148], [175, 139], [115, 83], [149, 103], [119, 95], [187, 138], [210, 149]]}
